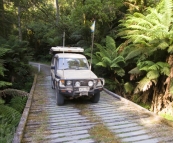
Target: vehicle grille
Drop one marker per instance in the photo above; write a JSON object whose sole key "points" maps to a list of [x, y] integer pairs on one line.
{"points": [[84, 82]]}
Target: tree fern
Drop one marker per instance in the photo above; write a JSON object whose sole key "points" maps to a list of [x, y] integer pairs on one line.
{"points": [[13, 92], [135, 71], [18, 103], [108, 57], [163, 45], [145, 65], [6, 132], [119, 71], [156, 24], [128, 87], [153, 74], [170, 49], [143, 85], [133, 54], [160, 67], [10, 114]]}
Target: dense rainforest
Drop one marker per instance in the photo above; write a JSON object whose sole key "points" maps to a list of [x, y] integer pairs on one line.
{"points": [[133, 48]]}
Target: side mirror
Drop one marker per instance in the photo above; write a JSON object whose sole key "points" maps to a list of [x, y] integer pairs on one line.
{"points": [[90, 66], [52, 67]]}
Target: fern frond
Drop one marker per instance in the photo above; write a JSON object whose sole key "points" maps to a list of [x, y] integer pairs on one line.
{"points": [[110, 43], [128, 87], [143, 85], [165, 71], [102, 49], [135, 71], [10, 115], [106, 60], [6, 132], [163, 45], [1, 101], [115, 65], [118, 59], [4, 84], [133, 54], [119, 71], [170, 49], [13, 92], [101, 64], [3, 51], [165, 7], [140, 65], [153, 74], [163, 64], [18, 103], [154, 67]]}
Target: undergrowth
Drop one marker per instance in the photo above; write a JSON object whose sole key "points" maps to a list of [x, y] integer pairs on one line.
{"points": [[10, 115]]}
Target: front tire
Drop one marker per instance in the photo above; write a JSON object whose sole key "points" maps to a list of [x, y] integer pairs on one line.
{"points": [[59, 98], [96, 97], [52, 83]]}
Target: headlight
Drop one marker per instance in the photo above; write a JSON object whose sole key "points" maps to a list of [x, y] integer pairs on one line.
{"points": [[77, 83], [90, 83], [68, 82]]}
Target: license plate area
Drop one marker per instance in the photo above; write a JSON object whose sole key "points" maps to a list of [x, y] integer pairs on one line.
{"points": [[84, 89]]}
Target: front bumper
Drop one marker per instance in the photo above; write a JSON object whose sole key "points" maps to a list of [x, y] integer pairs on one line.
{"points": [[73, 91], [73, 94]]}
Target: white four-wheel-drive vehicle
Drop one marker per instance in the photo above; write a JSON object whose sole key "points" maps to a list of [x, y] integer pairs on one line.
{"points": [[71, 76]]}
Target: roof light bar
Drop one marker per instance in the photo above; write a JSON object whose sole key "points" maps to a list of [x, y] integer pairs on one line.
{"points": [[60, 49]]}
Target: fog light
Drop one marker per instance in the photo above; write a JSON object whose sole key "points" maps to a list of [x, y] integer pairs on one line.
{"points": [[69, 82], [77, 83]]}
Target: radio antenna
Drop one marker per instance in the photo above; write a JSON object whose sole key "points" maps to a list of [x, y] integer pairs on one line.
{"points": [[63, 51]]}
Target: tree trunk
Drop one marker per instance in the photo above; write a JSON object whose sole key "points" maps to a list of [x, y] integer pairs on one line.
{"points": [[168, 98], [2, 21], [163, 102], [57, 12], [19, 23]]}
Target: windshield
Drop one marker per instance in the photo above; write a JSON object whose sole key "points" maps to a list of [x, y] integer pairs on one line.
{"points": [[73, 63]]}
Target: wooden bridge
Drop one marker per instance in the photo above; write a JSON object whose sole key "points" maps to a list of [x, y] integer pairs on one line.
{"points": [[45, 122]]}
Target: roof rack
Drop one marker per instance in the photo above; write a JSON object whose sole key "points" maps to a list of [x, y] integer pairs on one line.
{"points": [[60, 49]]}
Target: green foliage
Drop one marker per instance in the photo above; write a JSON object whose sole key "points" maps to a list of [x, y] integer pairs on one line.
{"points": [[153, 72], [15, 66], [167, 116], [108, 57], [157, 68], [143, 85], [135, 98], [1, 101], [145, 105], [18, 103], [111, 84], [128, 87], [155, 26], [3, 51], [10, 114], [135, 71]]}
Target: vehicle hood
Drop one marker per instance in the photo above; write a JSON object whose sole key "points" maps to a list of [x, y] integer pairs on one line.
{"points": [[76, 74]]}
